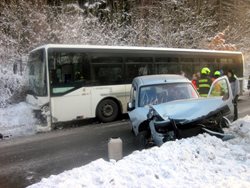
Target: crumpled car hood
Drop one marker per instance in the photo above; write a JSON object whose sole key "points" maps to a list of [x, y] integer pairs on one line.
{"points": [[188, 110]]}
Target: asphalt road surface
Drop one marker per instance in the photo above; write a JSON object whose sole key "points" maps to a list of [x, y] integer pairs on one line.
{"points": [[24, 161]]}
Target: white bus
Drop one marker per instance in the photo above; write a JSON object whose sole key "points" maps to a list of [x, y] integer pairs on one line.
{"points": [[74, 82]]}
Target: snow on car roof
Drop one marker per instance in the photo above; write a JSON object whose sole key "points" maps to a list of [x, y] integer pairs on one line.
{"points": [[160, 78]]}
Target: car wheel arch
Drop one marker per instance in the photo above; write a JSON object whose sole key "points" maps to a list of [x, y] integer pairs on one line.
{"points": [[143, 126]]}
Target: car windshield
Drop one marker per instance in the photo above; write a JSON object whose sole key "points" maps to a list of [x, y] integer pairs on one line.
{"points": [[157, 94]]}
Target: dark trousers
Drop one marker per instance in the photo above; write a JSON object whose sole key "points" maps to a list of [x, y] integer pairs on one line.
{"points": [[235, 102]]}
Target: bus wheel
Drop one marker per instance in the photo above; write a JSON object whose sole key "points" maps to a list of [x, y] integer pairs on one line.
{"points": [[107, 110]]}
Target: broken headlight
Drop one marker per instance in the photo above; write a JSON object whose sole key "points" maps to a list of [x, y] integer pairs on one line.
{"points": [[153, 115], [163, 127]]}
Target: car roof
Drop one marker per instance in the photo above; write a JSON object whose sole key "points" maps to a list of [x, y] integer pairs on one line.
{"points": [[158, 79]]}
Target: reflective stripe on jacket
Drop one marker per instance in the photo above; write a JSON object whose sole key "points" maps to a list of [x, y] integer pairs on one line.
{"points": [[204, 85]]}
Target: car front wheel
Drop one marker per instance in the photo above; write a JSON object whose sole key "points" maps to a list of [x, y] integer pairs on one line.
{"points": [[142, 140]]}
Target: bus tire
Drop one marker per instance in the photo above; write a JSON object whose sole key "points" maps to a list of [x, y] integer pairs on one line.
{"points": [[107, 110]]}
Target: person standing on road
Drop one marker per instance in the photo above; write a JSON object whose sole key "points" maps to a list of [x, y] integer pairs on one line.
{"points": [[194, 80], [204, 82], [235, 86]]}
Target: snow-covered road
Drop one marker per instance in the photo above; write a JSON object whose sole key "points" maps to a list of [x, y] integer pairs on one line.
{"points": [[201, 161]]}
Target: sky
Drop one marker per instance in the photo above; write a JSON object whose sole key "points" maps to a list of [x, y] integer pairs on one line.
{"points": [[201, 161]]}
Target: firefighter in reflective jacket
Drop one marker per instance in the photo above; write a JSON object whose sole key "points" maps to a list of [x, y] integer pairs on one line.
{"points": [[204, 83]]}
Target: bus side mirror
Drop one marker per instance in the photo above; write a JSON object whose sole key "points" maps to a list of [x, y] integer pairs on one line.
{"points": [[130, 106]]}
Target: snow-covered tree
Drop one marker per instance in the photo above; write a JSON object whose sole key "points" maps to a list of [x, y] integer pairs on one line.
{"points": [[25, 24], [219, 43]]}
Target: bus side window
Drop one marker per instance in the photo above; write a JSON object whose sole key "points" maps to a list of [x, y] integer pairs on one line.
{"points": [[107, 69], [101, 74], [67, 73], [111, 74], [186, 66], [143, 70], [138, 66], [167, 65]]}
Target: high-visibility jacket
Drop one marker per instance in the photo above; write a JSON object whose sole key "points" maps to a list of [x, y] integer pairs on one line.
{"points": [[204, 85]]}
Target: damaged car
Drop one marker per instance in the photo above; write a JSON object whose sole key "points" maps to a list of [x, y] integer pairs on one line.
{"points": [[168, 107]]}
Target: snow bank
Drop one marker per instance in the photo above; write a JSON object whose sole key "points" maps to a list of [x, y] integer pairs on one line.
{"points": [[241, 129], [201, 161], [17, 120]]}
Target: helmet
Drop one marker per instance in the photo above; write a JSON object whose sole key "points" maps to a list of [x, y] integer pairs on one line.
{"points": [[217, 73], [205, 71]]}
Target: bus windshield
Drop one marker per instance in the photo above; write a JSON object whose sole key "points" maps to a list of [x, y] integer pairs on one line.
{"points": [[37, 73]]}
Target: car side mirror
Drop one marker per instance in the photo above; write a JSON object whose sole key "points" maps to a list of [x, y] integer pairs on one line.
{"points": [[130, 106]]}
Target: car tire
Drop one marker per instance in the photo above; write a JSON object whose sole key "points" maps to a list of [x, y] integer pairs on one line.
{"points": [[107, 110], [142, 140], [225, 123]]}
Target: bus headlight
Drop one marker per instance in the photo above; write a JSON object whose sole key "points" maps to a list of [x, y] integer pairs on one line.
{"points": [[45, 109]]}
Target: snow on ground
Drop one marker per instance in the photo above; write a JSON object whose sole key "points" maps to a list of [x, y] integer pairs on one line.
{"points": [[17, 120], [201, 161]]}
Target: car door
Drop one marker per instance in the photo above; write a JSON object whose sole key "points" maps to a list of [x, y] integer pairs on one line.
{"points": [[221, 88]]}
